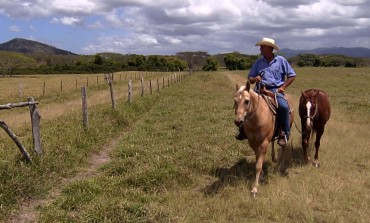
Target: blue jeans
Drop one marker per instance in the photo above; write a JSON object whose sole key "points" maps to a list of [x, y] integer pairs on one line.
{"points": [[282, 112]]}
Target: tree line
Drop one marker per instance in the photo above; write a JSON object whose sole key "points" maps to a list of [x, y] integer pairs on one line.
{"points": [[41, 63]]}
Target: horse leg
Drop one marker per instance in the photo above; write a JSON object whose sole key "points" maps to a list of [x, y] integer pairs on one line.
{"points": [[281, 160], [305, 141], [273, 155], [260, 157], [319, 133]]}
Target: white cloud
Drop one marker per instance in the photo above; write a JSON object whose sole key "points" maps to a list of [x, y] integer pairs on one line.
{"points": [[70, 21], [172, 40], [170, 26], [73, 6]]}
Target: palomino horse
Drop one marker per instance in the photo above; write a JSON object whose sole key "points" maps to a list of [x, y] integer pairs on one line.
{"points": [[314, 110], [258, 121]]}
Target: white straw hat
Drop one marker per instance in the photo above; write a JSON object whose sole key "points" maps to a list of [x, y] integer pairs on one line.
{"points": [[267, 42]]}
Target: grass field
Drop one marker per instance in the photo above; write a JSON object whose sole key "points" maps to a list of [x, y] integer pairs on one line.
{"points": [[175, 159]]}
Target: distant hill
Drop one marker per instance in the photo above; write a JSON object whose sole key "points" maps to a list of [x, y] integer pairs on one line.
{"points": [[29, 47], [360, 52]]}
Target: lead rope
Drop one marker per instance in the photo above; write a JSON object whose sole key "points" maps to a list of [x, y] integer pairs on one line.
{"points": [[249, 107], [290, 110]]}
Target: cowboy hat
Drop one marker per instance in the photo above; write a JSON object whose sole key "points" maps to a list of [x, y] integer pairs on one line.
{"points": [[267, 42]]}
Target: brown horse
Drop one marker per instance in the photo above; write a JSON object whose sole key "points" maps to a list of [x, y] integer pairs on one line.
{"points": [[258, 121], [314, 110]]}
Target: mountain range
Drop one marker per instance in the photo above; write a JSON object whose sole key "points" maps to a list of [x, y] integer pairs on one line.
{"points": [[360, 52], [25, 46]]}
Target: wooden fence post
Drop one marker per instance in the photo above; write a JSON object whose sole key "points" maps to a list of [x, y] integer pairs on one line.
{"points": [[109, 79], [142, 86], [85, 117], [150, 86], [20, 90], [35, 121], [129, 91], [43, 90]]}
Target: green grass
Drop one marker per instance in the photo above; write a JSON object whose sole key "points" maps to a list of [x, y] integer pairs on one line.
{"points": [[178, 160]]}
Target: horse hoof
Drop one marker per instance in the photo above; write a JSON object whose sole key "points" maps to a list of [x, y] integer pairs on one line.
{"points": [[317, 165], [254, 194]]}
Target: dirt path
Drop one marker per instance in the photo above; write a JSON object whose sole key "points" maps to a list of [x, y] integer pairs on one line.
{"points": [[235, 79], [27, 212]]}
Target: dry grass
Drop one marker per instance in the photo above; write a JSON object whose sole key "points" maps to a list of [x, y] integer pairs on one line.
{"points": [[57, 100], [180, 162]]}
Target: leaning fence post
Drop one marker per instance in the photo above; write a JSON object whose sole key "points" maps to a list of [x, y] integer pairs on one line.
{"points": [[16, 140], [85, 119], [35, 120]]}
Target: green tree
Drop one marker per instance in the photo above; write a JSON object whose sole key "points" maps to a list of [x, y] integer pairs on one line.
{"points": [[99, 59], [10, 62], [211, 65], [231, 62]]}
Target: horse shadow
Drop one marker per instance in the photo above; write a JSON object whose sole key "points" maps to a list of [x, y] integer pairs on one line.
{"points": [[242, 171]]}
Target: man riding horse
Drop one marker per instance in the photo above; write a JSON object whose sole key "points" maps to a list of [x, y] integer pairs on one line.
{"points": [[274, 74]]}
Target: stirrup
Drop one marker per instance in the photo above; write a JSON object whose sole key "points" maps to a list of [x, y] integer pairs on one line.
{"points": [[283, 140]]}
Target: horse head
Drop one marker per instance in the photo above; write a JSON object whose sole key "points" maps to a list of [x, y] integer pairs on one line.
{"points": [[308, 106], [242, 99]]}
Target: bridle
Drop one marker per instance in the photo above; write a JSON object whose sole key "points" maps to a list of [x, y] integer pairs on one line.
{"points": [[248, 110], [314, 115]]}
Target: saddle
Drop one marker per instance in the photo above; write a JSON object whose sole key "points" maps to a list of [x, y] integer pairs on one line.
{"points": [[271, 101]]}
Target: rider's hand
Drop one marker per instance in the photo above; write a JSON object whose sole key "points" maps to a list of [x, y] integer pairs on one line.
{"points": [[281, 90], [258, 79]]}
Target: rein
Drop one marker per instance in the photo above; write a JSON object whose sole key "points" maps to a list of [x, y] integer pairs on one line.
{"points": [[246, 118]]}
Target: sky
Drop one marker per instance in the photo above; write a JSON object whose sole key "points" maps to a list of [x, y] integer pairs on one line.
{"points": [[166, 27]]}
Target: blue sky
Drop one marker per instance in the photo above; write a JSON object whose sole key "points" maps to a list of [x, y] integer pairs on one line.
{"points": [[166, 27]]}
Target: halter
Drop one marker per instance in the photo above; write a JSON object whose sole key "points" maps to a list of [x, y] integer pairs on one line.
{"points": [[314, 115]]}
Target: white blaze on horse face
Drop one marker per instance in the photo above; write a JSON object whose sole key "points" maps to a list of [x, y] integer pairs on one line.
{"points": [[308, 106]]}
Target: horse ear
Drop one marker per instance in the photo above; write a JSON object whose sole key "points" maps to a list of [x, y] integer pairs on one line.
{"points": [[317, 92], [237, 86], [304, 94], [248, 86]]}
